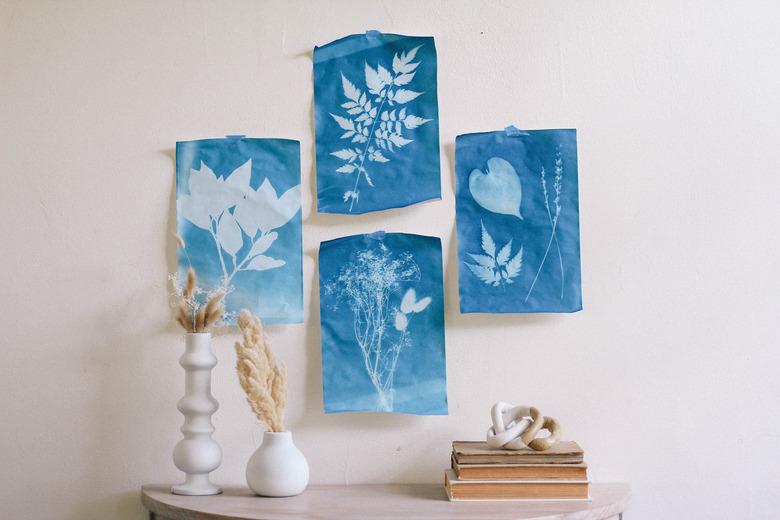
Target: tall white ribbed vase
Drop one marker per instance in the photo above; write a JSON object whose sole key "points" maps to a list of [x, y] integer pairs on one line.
{"points": [[197, 454]]}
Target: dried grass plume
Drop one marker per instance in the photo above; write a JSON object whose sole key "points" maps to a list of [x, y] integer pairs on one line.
{"points": [[263, 379], [190, 313]]}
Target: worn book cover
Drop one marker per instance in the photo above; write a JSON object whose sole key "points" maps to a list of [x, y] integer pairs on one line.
{"points": [[520, 471], [478, 452], [514, 489]]}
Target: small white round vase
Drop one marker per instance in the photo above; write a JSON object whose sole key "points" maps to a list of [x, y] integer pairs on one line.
{"points": [[277, 468]]}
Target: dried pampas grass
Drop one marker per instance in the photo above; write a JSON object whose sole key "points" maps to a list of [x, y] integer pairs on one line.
{"points": [[264, 380]]}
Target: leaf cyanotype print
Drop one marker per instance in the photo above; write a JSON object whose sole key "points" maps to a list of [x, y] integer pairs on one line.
{"points": [[374, 124], [238, 216], [495, 268]]}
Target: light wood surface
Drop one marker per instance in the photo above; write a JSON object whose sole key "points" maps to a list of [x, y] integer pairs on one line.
{"points": [[379, 502]]}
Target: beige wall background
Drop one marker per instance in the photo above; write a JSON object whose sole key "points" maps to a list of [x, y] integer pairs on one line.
{"points": [[668, 378]]}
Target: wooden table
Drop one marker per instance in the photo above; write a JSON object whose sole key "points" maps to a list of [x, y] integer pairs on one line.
{"points": [[379, 502]]}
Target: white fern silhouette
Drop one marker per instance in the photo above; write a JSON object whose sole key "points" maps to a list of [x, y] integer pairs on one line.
{"points": [[369, 125], [495, 267], [257, 213], [367, 285]]}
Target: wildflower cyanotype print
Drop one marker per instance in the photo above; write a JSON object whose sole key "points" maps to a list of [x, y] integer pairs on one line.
{"points": [[495, 266], [381, 316], [552, 216], [506, 195], [238, 226], [373, 140]]}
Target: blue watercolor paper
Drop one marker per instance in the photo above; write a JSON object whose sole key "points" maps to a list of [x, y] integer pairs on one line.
{"points": [[376, 123], [517, 212], [238, 211], [382, 317]]}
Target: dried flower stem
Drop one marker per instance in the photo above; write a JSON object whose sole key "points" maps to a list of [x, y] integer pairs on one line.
{"points": [[191, 315]]}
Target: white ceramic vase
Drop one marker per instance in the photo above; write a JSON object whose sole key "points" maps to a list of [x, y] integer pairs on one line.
{"points": [[277, 468], [197, 454]]}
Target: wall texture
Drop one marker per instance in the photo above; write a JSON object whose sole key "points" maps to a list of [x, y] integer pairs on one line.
{"points": [[668, 378]]}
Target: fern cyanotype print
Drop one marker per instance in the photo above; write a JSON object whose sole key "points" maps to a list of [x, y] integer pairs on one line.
{"points": [[369, 284], [255, 215], [496, 266], [553, 218], [375, 124]]}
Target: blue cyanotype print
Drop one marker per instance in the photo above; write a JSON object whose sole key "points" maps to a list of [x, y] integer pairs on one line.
{"points": [[238, 208], [382, 317], [376, 123], [517, 212]]}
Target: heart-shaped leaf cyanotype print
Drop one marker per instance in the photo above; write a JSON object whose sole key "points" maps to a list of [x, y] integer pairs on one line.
{"points": [[497, 190]]}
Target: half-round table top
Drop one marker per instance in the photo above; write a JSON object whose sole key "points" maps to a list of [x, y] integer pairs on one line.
{"points": [[380, 502]]}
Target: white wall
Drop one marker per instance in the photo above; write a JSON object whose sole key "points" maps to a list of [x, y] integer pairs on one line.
{"points": [[668, 378]]}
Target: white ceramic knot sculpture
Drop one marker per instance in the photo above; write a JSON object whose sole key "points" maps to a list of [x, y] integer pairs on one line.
{"points": [[516, 428]]}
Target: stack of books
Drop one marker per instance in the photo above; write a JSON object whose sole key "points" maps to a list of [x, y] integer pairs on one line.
{"points": [[482, 473]]}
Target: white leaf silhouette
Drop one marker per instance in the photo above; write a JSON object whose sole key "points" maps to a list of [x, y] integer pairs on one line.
{"points": [[384, 75], [495, 269], [373, 82], [343, 122], [483, 260], [402, 65], [264, 210], [238, 180], [515, 265], [399, 141], [404, 96], [347, 168], [193, 210], [411, 121], [488, 246], [408, 301], [209, 196], [503, 255], [403, 79], [409, 56], [489, 276], [263, 263], [350, 91], [401, 321], [422, 304], [377, 156], [262, 244], [229, 234], [345, 154]]}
